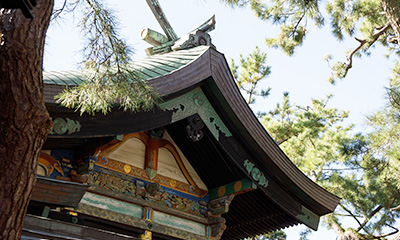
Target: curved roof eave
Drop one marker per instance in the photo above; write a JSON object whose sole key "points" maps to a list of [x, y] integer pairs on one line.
{"points": [[213, 64]]}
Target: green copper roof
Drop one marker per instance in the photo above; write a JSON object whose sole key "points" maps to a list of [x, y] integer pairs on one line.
{"points": [[148, 68]]}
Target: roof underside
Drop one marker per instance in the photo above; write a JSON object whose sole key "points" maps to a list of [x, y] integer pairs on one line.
{"points": [[250, 213]]}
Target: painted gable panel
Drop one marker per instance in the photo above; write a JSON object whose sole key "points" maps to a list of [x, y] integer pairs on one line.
{"points": [[185, 161], [168, 167], [131, 152]]}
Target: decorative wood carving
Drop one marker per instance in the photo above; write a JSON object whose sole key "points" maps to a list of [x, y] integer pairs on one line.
{"points": [[255, 173], [191, 40], [137, 222], [193, 129], [220, 205], [217, 227], [196, 102], [148, 217], [50, 164], [61, 126], [150, 191]]}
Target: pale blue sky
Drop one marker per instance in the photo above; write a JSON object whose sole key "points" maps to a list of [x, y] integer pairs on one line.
{"points": [[237, 32]]}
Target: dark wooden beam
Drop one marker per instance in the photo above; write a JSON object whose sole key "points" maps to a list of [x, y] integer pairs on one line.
{"points": [[117, 122], [234, 188]]}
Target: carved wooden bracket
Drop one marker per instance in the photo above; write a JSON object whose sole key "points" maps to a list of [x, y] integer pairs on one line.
{"points": [[220, 205], [217, 227]]}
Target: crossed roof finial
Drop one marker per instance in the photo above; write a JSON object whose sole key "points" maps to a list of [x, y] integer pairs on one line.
{"points": [[171, 42]]}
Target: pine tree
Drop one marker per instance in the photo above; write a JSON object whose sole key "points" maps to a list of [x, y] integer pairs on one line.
{"points": [[363, 169], [250, 73], [368, 21], [25, 122], [352, 166]]}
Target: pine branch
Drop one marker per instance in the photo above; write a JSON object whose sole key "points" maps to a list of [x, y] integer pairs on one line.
{"points": [[342, 169], [298, 22], [56, 13], [362, 42], [351, 214], [377, 209], [386, 234], [394, 97], [109, 79]]}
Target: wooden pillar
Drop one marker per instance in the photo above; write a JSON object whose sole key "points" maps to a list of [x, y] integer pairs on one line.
{"points": [[151, 157]]}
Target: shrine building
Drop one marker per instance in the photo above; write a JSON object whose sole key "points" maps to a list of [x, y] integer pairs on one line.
{"points": [[198, 166]]}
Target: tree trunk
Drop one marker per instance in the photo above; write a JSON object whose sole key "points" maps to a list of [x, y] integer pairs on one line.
{"points": [[348, 236], [342, 234], [392, 11], [24, 120]]}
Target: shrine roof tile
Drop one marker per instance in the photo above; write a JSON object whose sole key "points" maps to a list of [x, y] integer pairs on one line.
{"points": [[147, 68]]}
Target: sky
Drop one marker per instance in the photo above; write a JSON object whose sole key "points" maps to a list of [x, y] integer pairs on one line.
{"points": [[238, 31]]}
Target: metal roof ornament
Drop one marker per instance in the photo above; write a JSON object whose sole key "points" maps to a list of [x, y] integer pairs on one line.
{"points": [[171, 42]]}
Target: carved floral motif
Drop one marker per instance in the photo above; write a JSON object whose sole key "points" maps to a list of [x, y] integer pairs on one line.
{"points": [[148, 191], [141, 173]]}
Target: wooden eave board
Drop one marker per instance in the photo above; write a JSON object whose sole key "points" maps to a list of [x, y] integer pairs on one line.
{"points": [[36, 227], [57, 192]]}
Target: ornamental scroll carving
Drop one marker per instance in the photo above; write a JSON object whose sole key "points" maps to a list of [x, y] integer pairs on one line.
{"points": [[61, 126], [195, 102], [193, 129], [255, 173]]}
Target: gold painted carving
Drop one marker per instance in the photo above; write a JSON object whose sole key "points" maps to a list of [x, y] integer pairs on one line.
{"points": [[139, 189], [127, 168], [172, 183], [146, 235], [49, 164]]}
